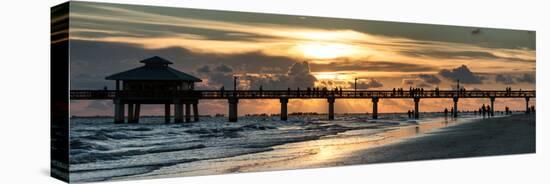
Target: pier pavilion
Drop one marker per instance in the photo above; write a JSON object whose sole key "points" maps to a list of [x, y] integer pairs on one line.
{"points": [[143, 85]]}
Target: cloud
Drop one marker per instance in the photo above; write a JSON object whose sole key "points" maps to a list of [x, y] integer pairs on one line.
{"points": [[430, 79], [298, 76], [223, 68], [203, 69], [416, 82], [504, 79], [466, 54], [371, 83], [89, 69], [408, 81], [381, 66], [527, 78], [463, 74]]}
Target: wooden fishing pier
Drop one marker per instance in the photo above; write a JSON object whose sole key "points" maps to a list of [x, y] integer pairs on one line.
{"points": [[156, 83]]}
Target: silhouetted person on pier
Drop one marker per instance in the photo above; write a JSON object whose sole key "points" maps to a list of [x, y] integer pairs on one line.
{"points": [[222, 90], [532, 109], [409, 113], [445, 112], [489, 114]]}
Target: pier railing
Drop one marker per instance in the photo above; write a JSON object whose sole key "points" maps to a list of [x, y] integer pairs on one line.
{"points": [[277, 94]]}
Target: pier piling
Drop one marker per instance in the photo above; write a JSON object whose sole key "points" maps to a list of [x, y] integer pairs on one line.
{"points": [[375, 107], [284, 113], [196, 111], [130, 113], [492, 105], [187, 112], [178, 112], [331, 101], [119, 111], [416, 108], [233, 104], [167, 113], [455, 100]]}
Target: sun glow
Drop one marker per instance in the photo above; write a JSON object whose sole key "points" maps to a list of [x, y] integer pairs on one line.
{"points": [[324, 50]]}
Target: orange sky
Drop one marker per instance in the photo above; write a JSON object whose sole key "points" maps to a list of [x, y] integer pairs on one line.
{"points": [[382, 55]]}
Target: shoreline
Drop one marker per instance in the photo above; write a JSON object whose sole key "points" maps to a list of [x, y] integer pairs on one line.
{"points": [[451, 138], [479, 137]]}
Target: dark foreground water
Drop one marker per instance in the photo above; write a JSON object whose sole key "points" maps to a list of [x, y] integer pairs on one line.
{"points": [[101, 150]]}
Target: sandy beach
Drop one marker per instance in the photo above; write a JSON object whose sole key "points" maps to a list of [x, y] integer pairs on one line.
{"points": [[481, 137], [495, 136]]}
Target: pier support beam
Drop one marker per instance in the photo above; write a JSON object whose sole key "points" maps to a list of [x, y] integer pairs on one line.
{"points": [[416, 108], [455, 100], [196, 111], [492, 105], [178, 112], [233, 104], [527, 109], [187, 112], [119, 112], [137, 112], [167, 113], [130, 113], [284, 113], [331, 101], [375, 107]]}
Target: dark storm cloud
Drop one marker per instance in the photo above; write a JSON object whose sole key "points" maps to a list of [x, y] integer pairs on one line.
{"points": [[504, 79], [463, 74], [462, 55], [378, 66], [298, 76], [430, 79], [92, 61], [527, 78]]}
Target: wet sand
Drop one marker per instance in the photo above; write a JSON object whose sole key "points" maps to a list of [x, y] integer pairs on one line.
{"points": [[496, 136], [482, 137]]}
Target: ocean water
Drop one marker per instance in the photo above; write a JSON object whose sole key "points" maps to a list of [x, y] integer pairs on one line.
{"points": [[101, 150]]}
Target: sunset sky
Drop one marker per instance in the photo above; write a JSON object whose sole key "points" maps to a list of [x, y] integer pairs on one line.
{"points": [[281, 51]]}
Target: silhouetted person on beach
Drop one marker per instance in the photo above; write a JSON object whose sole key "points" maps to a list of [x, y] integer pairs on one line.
{"points": [[489, 114], [409, 113], [445, 112]]}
